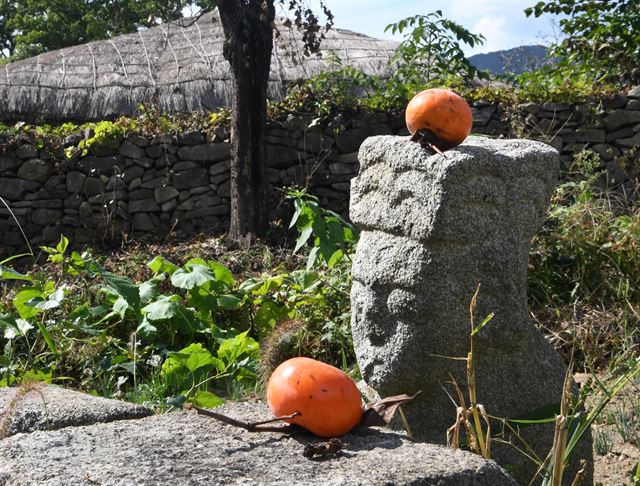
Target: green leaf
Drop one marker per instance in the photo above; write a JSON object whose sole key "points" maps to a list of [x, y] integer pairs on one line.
{"points": [[229, 302], [270, 313], [146, 329], [23, 326], [222, 273], [48, 339], [62, 246], [51, 302], [8, 273], [202, 300], [14, 257], [482, 324], [206, 399], [313, 255], [9, 333], [125, 287], [194, 275], [37, 375], [540, 415], [305, 234], [25, 296], [335, 258], [160, 264], [197, 357], [120, 307], [148, 291], [166, 307], [231, 349]]}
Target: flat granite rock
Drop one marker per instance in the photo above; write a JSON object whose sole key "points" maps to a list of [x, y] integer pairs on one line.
{"points": [[186, 448], [51, 407]]}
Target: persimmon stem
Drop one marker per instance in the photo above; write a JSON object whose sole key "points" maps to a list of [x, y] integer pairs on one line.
{"points": [[261, 426]]}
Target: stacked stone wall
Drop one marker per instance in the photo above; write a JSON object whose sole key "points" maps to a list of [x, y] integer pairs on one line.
{"points": [[164, 186]]}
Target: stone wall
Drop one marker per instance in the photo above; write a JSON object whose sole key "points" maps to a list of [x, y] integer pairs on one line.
{"points": [[163, 186]]}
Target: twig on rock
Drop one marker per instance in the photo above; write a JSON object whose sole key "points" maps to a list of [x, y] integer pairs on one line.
{"points": [[261, 426]]}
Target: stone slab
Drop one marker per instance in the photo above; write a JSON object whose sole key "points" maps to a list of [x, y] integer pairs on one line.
{"points": [[51, 407], [185, 448]]}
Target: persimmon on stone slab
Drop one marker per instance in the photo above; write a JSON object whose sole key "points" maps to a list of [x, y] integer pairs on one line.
{"points": [[327, 400], [438, 118]]}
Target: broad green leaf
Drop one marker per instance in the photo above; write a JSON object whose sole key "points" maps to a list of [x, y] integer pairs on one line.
{"points": [[8, 273], [192, 276], [25, 296], [148, 291], [231, 349], [51, 302], [206, 399], [120, 307], [202, 300], [146, 329], [198, 359], [166, 307], [23, 326], [222, 273], [229, 302], [62, 246], [10, 333], [160, 264], [125, 287]]}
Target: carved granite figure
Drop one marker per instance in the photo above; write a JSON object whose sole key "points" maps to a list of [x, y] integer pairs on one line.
{"points": [[432, 229]]}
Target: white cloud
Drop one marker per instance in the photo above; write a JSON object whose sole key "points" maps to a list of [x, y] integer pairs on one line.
{"points": [[496, 32]]}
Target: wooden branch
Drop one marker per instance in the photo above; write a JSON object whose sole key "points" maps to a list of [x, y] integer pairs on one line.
{"points": [[260, 426]]}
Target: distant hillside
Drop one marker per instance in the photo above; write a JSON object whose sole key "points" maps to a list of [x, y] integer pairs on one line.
{"points": [[511, 61]]}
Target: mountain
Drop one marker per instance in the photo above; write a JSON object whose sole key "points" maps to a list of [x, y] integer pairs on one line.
{"points": [[511, 61]]}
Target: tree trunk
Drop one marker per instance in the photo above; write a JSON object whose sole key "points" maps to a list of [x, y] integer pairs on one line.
{"points": [[248, 33]]}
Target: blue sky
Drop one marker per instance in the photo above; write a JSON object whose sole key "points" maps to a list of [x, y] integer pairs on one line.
{"points": [[502, 22]]}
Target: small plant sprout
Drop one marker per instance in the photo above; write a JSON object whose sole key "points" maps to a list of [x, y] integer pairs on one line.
{"points": [[471, 418], [602, 441]]}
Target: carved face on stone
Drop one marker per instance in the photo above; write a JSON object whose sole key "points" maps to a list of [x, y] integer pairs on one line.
{"points": [[391, 304]]}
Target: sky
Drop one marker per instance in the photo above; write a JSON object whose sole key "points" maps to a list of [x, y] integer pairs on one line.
{"points": [[502, 22]]}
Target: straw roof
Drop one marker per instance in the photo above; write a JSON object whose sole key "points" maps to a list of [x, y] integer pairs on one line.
{"points": [[181, 68]]}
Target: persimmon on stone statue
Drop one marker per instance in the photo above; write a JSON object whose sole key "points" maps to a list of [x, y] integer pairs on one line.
{"points": [[439, 119]]}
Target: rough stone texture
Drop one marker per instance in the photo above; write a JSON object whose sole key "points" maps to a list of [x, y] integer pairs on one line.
{"points": [[52, 407], [433, 228], [185, 448], [35, 170]]}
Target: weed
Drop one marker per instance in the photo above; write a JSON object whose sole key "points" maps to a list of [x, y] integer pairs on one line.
{"points": [[603, 441]]}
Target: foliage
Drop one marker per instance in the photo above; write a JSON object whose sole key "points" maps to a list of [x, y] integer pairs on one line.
{"points": [[602, 36], [589, 248], [329, 94], [585, 265], [562, 83], [187, 332], [430, 53], [29, 27], [333, 237]]}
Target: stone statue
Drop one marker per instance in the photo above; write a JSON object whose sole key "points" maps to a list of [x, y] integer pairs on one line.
{"points": [[432, 229]]}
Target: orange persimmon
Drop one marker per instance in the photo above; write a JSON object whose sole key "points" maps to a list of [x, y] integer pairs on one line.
{"points": [[442, 114], [327, 399]]}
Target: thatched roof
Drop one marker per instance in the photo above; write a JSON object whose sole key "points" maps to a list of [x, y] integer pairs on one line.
{"points": [[182, 68]]}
